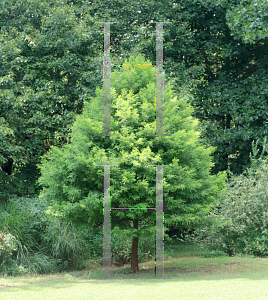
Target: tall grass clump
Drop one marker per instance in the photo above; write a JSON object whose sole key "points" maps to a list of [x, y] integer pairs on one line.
{"points": [[24, 221], [37, 242], [64, 242]]}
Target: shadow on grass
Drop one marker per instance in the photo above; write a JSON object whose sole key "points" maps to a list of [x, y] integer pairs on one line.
{"points": [[229, 270], [181, 264]]}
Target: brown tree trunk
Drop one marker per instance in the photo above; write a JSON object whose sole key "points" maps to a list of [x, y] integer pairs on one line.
{"points": [[134, 252]]}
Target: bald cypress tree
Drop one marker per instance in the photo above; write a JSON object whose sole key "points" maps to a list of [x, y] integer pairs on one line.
{"points": [[74, 185]]}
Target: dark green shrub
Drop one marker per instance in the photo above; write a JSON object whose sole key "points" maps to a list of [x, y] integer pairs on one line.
{"points": [[93, 238], [48, 243], [238, 224], [11, 267], [121, 244]]}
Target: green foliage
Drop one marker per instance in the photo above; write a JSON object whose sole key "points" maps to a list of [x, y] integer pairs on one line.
{"points": [[93, 238], [121, 244], [50, 61], [25, 219], [7, 245], [230, 94], [51, 64], [73, 185], [11, 268], [243, 123], [64, 242], [249, 21], [238, 224], [214, 253], [42, 244], [51, 56], [206, 47]]}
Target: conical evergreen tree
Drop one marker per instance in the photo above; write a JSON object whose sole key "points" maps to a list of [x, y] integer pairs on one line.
{"points": [[74, 184]]}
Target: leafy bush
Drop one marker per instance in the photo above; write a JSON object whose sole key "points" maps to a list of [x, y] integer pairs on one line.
{"points": [[238, 224], [12, 268], [37, 263], [93, 238], [121, 244], [7, 245], [24, 262]]}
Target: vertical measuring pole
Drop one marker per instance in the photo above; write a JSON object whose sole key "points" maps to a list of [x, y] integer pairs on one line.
{"points": [[106, 82], [107, 223], [159, 221], [159, 82]]}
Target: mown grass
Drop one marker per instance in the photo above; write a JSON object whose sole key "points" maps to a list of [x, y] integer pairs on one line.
{"points": [[187, 276]]}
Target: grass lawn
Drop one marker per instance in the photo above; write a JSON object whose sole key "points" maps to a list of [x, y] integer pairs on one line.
{"points": [[187, 276]]}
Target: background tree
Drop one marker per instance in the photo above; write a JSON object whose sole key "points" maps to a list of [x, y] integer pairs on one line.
{"points": [[73, 184], [50, 60], [231, 96]]}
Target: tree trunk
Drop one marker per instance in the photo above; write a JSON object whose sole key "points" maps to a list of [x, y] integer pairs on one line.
{"points": [[134, 252]]}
